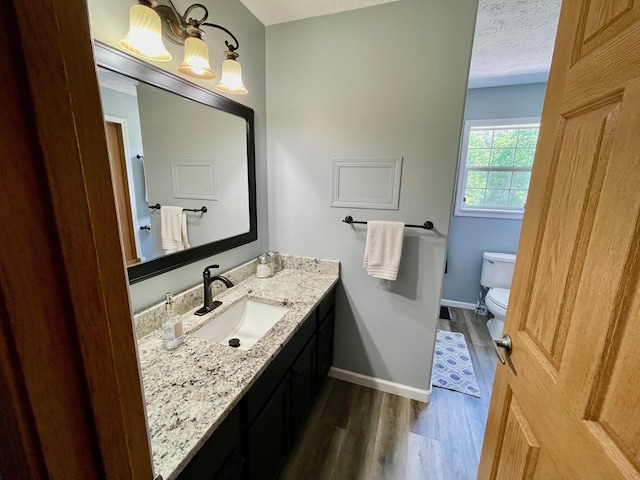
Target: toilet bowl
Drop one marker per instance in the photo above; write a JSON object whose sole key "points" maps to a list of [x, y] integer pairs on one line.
{"points": [[497, 273], [496, 301]]}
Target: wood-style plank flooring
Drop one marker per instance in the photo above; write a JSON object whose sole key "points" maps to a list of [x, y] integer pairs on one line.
{"points": [[356, 433]]}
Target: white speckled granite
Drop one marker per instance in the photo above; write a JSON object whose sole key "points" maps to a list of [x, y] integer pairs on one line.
{"points": [[190, 390], [311, 265], [150, 319]]}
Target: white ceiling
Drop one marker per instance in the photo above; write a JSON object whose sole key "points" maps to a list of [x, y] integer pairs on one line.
{"points": [[513, 41], [270, 12]]}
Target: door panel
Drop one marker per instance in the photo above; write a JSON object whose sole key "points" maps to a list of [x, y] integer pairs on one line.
{"points": [[604, 20], [585, 145], [566, 405], [616, 403], [545, 469], [520, 449]]}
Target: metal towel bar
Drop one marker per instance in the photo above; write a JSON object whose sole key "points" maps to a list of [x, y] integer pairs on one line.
{"points": [[426, 225], [157, 206]]}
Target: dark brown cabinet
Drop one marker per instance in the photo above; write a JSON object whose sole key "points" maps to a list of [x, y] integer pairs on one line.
{"points": [[254, 440], [303, 387], [324, 339], [219, 453], [233, 467], [269, 435]]}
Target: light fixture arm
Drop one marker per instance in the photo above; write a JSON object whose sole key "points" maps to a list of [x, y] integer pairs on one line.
{"points": [[178, 28], [192, 21], [232, 48]]}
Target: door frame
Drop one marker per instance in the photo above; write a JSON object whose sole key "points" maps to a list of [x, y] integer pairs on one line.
{"points": [[71, 389]]}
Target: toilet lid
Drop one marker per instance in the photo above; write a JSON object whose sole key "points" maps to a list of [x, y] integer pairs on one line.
{"points": [[500, 296]]}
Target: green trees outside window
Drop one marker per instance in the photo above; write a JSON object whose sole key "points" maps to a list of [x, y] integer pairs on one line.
{"points": [[497, 167]]}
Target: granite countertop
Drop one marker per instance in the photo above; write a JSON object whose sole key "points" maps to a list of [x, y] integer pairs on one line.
{"points": [[189, 391]]}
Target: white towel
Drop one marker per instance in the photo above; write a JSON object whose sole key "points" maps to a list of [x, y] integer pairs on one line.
{"points": [[383, 249], [173, 229]]}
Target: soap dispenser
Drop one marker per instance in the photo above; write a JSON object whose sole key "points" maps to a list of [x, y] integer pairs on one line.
{"points": [[172, 335]]}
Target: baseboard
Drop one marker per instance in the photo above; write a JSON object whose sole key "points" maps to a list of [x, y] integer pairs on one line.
{"points": [[381, 385], [452, 303]]}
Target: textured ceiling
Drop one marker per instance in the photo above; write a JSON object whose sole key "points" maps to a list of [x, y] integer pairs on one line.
{"points": [[513, 40], [270, 12]]}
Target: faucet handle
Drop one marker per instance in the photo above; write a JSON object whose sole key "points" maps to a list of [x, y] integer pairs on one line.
{"points": [[206, 269]]}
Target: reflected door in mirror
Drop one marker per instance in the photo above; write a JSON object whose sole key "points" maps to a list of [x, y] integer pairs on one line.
{"points": [[115, 146]]}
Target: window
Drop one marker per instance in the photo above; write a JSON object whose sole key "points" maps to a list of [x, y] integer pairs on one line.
{"points": [[495, 167]]}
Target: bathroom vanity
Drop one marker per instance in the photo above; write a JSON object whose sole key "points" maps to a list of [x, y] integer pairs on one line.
{"points": [[219, 412]]}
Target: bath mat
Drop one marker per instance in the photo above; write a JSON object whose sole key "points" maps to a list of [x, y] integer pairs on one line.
{"points": [[452, 367], [445, 313]]}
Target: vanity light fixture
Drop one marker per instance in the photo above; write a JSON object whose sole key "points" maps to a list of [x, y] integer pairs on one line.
{"points": [[150, 19]]}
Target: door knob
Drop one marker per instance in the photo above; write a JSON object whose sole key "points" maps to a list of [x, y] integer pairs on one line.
{"points": [[505, 343]]}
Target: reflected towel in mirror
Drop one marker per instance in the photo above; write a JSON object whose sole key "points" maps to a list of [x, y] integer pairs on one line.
{"points": [[173, 229]]}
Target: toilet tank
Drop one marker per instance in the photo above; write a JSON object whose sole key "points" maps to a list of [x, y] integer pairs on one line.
{"points": [[497, 269]]}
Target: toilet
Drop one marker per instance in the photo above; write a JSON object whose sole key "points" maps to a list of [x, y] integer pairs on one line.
{"points": [[497, 273]]}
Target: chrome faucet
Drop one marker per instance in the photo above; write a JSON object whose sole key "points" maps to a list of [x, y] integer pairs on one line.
{"points": [[209, 304]]}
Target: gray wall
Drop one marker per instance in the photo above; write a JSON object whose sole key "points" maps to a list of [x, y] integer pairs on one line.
{"points": [[122, 105], [110, 23], [470, 236], [383, 81]]}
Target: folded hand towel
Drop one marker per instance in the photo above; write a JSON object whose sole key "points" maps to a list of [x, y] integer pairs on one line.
{"points": [[383, 249], [173, 229]]}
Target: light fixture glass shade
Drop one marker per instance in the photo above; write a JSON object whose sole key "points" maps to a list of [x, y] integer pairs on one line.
{"points": [[196, 59], [145, 35], [231, 79]]}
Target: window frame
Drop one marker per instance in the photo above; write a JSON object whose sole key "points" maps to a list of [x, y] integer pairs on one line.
{"points": [[461, 180]]}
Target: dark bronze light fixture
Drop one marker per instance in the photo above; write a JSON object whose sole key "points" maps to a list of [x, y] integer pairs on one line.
{"points": [[150, 20]]}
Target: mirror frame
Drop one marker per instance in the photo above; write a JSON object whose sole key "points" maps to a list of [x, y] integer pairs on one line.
{"points": [[117, 61]]}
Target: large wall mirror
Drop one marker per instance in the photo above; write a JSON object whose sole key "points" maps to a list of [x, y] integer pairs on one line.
{"points": [[174, 144]]}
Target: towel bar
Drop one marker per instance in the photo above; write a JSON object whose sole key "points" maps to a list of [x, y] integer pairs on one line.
{"points": [[426, 225], [157, 206]]}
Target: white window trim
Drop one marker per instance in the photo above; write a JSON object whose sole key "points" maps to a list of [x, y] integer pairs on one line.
{"points": [[462, 178]]}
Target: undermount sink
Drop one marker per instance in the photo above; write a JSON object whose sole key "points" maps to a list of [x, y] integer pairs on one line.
{"points": [[247, 320]]}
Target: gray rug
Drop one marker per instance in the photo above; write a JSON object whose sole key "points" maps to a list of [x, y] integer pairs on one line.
{"points": [[452, 367]]}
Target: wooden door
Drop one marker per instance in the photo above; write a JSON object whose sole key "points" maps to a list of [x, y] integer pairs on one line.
{"points": [[567, 405], [120, 182]]}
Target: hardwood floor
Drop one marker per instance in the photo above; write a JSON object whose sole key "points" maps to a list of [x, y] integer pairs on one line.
{"points": [[356, 433]]}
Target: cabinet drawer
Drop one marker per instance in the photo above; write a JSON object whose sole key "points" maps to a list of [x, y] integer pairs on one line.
{"points": [[275, 372]]}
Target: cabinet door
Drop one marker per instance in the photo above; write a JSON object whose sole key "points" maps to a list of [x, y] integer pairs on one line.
{"points": [[232, 468], [278, 369], [302, 387], [269, 435], [325, 349], [216, 451]]}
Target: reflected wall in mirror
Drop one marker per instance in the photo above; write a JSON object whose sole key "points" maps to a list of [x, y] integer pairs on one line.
{"points": [[175, 144]]}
